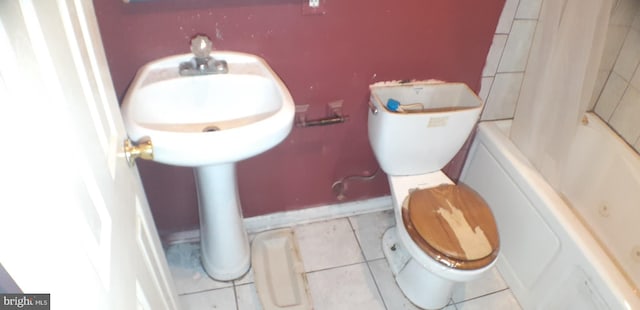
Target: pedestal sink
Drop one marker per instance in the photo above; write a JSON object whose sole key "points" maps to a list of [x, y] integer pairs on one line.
{"points": [[210, 122]]}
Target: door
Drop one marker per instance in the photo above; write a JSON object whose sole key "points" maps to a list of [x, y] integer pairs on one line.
{"points": [[74, 221]]}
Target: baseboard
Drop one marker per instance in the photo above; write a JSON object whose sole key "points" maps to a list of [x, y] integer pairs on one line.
{"points": [[295, 217]]}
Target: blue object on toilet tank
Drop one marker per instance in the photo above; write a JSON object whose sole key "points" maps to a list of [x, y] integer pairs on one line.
{"points": [[393, 105]]}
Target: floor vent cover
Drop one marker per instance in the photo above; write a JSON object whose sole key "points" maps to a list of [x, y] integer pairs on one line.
{"points": [[279, 272]]}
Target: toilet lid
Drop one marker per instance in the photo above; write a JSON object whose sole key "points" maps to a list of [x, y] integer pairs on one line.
{"points": [[455, 222]]}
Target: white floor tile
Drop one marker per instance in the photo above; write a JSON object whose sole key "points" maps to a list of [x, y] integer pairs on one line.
{"points": [[327, 244], [490, 282], [220, 299], [369, 229], [187, 271], [391, 294], [350, 287], [502, 300], [246, 279], [247, 297]]}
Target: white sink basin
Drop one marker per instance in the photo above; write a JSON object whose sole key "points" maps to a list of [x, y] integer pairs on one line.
{"points": [[208, 119]]}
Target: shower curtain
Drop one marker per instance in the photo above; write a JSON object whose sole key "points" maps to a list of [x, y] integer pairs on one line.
{"points": [[559, 79]]}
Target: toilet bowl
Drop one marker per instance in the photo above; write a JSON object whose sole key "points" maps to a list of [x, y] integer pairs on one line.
{"points": [[427, 280], [444, 233]]}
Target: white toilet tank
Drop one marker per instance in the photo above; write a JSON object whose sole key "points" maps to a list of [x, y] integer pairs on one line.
{"points": [[432, 124]]}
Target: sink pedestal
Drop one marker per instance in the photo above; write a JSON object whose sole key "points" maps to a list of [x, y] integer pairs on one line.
{"points": [[223, 239]]}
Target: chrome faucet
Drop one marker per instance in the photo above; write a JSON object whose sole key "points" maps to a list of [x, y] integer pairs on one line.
{"points": [[202, 63]]}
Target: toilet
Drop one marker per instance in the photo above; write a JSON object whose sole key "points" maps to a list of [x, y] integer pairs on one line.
{"points": [[444, 233]]}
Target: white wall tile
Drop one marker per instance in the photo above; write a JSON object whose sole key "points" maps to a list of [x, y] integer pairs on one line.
{"points": [[636, 21], [495, 53], [349, 287], [516, 50], [625, 118], [612, 46], [635, 80], [327, 244], [485, 87], [629, 56], [601, 79], [517, 21], [610, 96], [624, 12], [506, 18], [503, 97], [528, 9]]}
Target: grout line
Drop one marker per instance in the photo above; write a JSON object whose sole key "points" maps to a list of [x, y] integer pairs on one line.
{"points": [[235, 296], [509, 72], [203, 291], [497, 119], [373, 260], [452, 304], [234, 285], [485, 295], [335, 267], [375, 282]]}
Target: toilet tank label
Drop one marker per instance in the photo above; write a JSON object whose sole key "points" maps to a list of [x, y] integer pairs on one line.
{"points": [[438, 121]]}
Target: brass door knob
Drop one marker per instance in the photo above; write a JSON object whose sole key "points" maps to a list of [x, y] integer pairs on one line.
{"points": [[143, 149]]}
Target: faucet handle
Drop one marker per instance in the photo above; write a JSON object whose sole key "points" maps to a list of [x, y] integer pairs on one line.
{"points": [[201, 46]]}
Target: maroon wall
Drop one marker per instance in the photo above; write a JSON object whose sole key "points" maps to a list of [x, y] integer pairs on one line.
{"points": [[321, 58]]}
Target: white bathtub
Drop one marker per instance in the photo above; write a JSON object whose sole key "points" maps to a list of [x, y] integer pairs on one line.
{"points": [[577, 250]]}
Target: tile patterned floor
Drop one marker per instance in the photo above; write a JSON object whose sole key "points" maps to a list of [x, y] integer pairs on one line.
{"points": [[357, 278]]}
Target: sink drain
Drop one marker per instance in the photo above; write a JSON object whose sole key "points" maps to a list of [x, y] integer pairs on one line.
{"points": [[210, 128]]}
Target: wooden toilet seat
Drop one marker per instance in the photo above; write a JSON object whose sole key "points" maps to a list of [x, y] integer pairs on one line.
{"points": [[453, 225]]}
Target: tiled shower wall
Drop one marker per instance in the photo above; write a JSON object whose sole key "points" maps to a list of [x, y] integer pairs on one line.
{"points": [[507, 58], [616, 97]]}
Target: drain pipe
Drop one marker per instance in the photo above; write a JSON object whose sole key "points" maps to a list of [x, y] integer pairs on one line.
{"points": [[340, 187]]}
